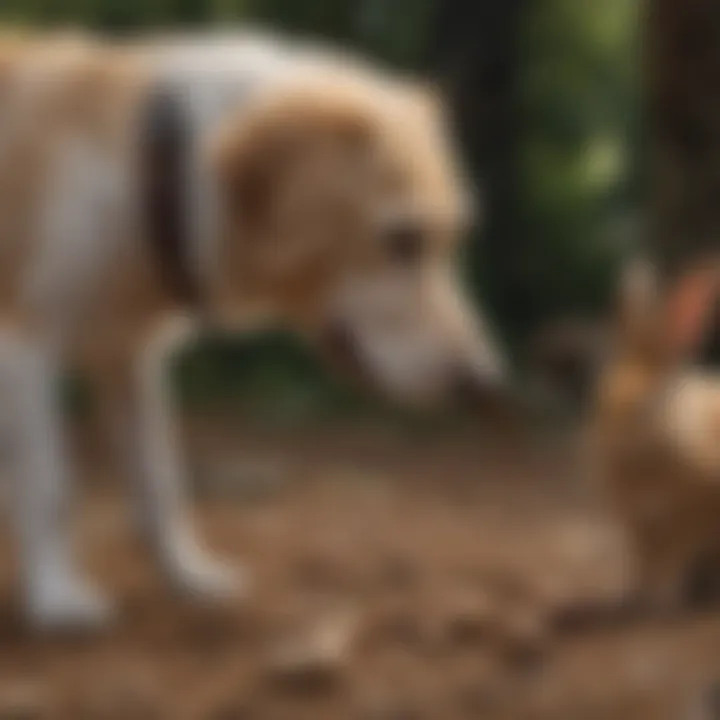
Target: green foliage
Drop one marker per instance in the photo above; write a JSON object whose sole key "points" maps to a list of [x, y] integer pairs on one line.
{"points": [[578, 154]]}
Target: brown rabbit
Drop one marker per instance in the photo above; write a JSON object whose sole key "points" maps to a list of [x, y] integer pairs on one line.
{"points": [[656, 432]]}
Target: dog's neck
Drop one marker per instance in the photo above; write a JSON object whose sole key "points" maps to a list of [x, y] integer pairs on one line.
{"points": [[194, 87]]}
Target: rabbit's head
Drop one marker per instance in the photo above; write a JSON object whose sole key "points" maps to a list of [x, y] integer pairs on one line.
{"points": [[659, 326]]}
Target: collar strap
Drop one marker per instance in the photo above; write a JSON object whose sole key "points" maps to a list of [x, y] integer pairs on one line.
{"points": [[164, 167]]}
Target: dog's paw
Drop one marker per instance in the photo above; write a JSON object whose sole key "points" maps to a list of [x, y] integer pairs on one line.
{"points": [[204, 577], [68, 604]]}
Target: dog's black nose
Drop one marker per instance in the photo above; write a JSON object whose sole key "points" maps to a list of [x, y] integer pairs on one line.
{"points": [[342, 350], [476, 387], [487, 394]]}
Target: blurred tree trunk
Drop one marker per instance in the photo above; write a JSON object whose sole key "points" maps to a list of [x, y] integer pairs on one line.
{"points": [[682, 46], [473, 53]]}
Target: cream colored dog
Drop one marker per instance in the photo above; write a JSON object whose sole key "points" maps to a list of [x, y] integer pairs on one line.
{"points": [[152, 190]]}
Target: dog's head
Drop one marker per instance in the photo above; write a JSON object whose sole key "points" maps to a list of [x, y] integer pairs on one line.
{"points": [[343, 210]]}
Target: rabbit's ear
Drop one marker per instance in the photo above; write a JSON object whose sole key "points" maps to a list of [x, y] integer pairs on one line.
{"points": [[638, 293], [689, 307]]}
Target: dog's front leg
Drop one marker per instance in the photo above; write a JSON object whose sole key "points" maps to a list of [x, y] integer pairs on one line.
{"points": [[56, 593], [160, 473]]}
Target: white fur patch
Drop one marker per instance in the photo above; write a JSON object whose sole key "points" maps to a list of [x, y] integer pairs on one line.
{"points": [[56, 592], [83, 210], [161, 472]]}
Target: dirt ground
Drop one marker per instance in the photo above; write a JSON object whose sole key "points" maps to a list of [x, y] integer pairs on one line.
{"points": [[395, 577]]}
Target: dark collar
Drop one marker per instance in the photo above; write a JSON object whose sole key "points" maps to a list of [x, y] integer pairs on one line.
{"points": [[164, 149]]}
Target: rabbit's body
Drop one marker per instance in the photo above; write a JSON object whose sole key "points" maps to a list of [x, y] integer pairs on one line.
{"points": [[657, 438]]}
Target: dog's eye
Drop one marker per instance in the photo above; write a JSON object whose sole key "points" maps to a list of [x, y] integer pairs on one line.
{"points": [[406, 243]]}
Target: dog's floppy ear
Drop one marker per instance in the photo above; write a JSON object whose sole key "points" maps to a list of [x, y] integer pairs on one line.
{"points": [[252, 153], [246, 160], [689, 307]]}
